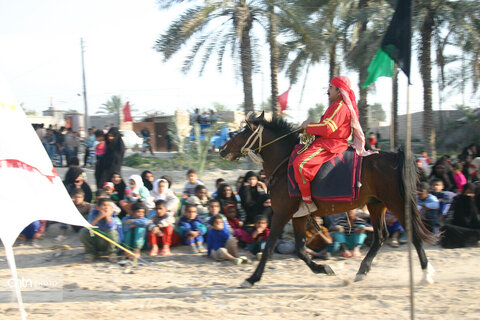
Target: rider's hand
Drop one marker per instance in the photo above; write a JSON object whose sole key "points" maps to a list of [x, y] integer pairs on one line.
{"points": [[305, 124]]}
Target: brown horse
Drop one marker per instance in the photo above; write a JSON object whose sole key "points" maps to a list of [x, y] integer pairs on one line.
{"points": [[383, 186]]}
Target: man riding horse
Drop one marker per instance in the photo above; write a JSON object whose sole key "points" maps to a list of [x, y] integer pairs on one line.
{"points": [[332, 132]]}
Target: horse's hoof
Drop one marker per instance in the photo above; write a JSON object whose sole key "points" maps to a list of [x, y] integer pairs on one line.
{"points": [[360, 277], [426, 280], [245, 284], [328, 270]]}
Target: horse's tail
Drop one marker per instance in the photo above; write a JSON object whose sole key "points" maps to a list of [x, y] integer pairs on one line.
{"points": [[409, 178]]}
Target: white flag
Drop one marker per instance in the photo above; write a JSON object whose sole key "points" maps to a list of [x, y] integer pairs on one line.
{"points": [[30, 187]]}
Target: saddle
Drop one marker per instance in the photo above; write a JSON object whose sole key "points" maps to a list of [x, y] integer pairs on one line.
{"points": [[337, 180]]}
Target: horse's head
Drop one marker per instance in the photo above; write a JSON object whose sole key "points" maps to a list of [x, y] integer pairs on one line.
{"points": [[232, 149]]}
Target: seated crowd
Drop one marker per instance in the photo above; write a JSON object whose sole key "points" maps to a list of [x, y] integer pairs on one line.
{"points": [[144, 213]]}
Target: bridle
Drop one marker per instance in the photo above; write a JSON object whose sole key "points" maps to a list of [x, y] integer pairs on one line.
{"points": [[257, 134]]}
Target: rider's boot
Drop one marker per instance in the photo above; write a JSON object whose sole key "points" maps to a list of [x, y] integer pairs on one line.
{"points": [[305, 208]]}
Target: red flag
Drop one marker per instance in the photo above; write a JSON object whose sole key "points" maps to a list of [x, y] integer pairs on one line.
{"points": [[126, 112], [282, 100]]}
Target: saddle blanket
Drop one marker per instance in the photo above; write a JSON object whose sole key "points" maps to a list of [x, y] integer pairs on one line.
{"points": [[337, 180]]}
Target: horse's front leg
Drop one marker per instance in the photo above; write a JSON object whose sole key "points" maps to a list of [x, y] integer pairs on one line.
{"points": [[299, 227], [279, 220], [380, 233]]}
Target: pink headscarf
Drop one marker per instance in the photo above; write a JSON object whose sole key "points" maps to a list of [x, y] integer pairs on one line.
{"points": [[343, 84]]}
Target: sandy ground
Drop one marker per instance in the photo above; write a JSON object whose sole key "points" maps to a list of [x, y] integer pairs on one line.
{"points": [[58, 285]]}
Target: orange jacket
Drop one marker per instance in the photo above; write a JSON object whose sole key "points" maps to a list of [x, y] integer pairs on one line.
{"points": [[333, 129]]}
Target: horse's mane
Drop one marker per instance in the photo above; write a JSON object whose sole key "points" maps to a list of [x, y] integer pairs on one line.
{"points": [[280, 126]]}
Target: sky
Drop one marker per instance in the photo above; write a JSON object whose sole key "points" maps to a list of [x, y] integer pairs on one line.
{"points": [[40, 57]]}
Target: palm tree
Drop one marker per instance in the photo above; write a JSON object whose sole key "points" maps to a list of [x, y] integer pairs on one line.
{"points": [[432, 18], [313, 39], [112, 107], [214, 25], [362, 29]]}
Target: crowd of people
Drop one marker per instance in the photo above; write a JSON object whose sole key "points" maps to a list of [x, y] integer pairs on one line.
{"points": [[148, 217]]}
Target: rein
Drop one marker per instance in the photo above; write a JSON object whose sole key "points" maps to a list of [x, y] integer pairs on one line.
{"points": [[257, 135]]}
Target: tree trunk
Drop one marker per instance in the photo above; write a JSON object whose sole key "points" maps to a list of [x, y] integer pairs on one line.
{"points": [[246, 59], [394, 143], [274, 56], [426, 73], [332, 60], [363, 74]]}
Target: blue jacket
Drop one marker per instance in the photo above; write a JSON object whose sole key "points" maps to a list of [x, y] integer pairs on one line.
{"points": [[140, 222], [102, 224], [432, 207], [186, 225], [217, 239]]}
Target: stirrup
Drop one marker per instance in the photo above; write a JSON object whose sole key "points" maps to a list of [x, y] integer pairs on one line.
{"points": [[305, 209]]}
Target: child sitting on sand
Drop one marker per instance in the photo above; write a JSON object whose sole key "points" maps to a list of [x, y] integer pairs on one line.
{"points": [[214, 211], [134, 228], [220, 243], [102, 217], [78, 197], [200, 200], [349, 234], [191, 229], [236, 225], [30, 233], [317, 240], [191, 184], [160, 229], [258, 237]]}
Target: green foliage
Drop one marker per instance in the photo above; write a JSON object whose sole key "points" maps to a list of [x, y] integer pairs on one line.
{"points": [[30, 112], [376, 112], [315, 113], [112, 106]]}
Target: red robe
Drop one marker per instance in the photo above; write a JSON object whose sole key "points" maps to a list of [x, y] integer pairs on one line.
{"points": [[332, 133]]}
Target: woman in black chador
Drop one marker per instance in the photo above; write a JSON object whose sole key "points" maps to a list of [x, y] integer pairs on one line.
{"points": [[112, 160]]}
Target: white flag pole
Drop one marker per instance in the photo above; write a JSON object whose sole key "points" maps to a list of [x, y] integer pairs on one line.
{"points": [[408, 213], [13, 270]]}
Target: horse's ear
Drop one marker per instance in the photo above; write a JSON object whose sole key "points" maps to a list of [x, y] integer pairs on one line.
{"points": [[261, 116], [251, 120]]}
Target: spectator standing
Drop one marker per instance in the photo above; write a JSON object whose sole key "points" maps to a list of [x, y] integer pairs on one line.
{"points": [[112, 159], [89, 141], [60, 142], [50, 142]]}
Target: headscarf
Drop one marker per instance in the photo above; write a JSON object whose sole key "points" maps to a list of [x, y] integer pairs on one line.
{"points": [[348, 96], [120, 187], [156, 193], [138, 182], [72, 175], [147, 183]]}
